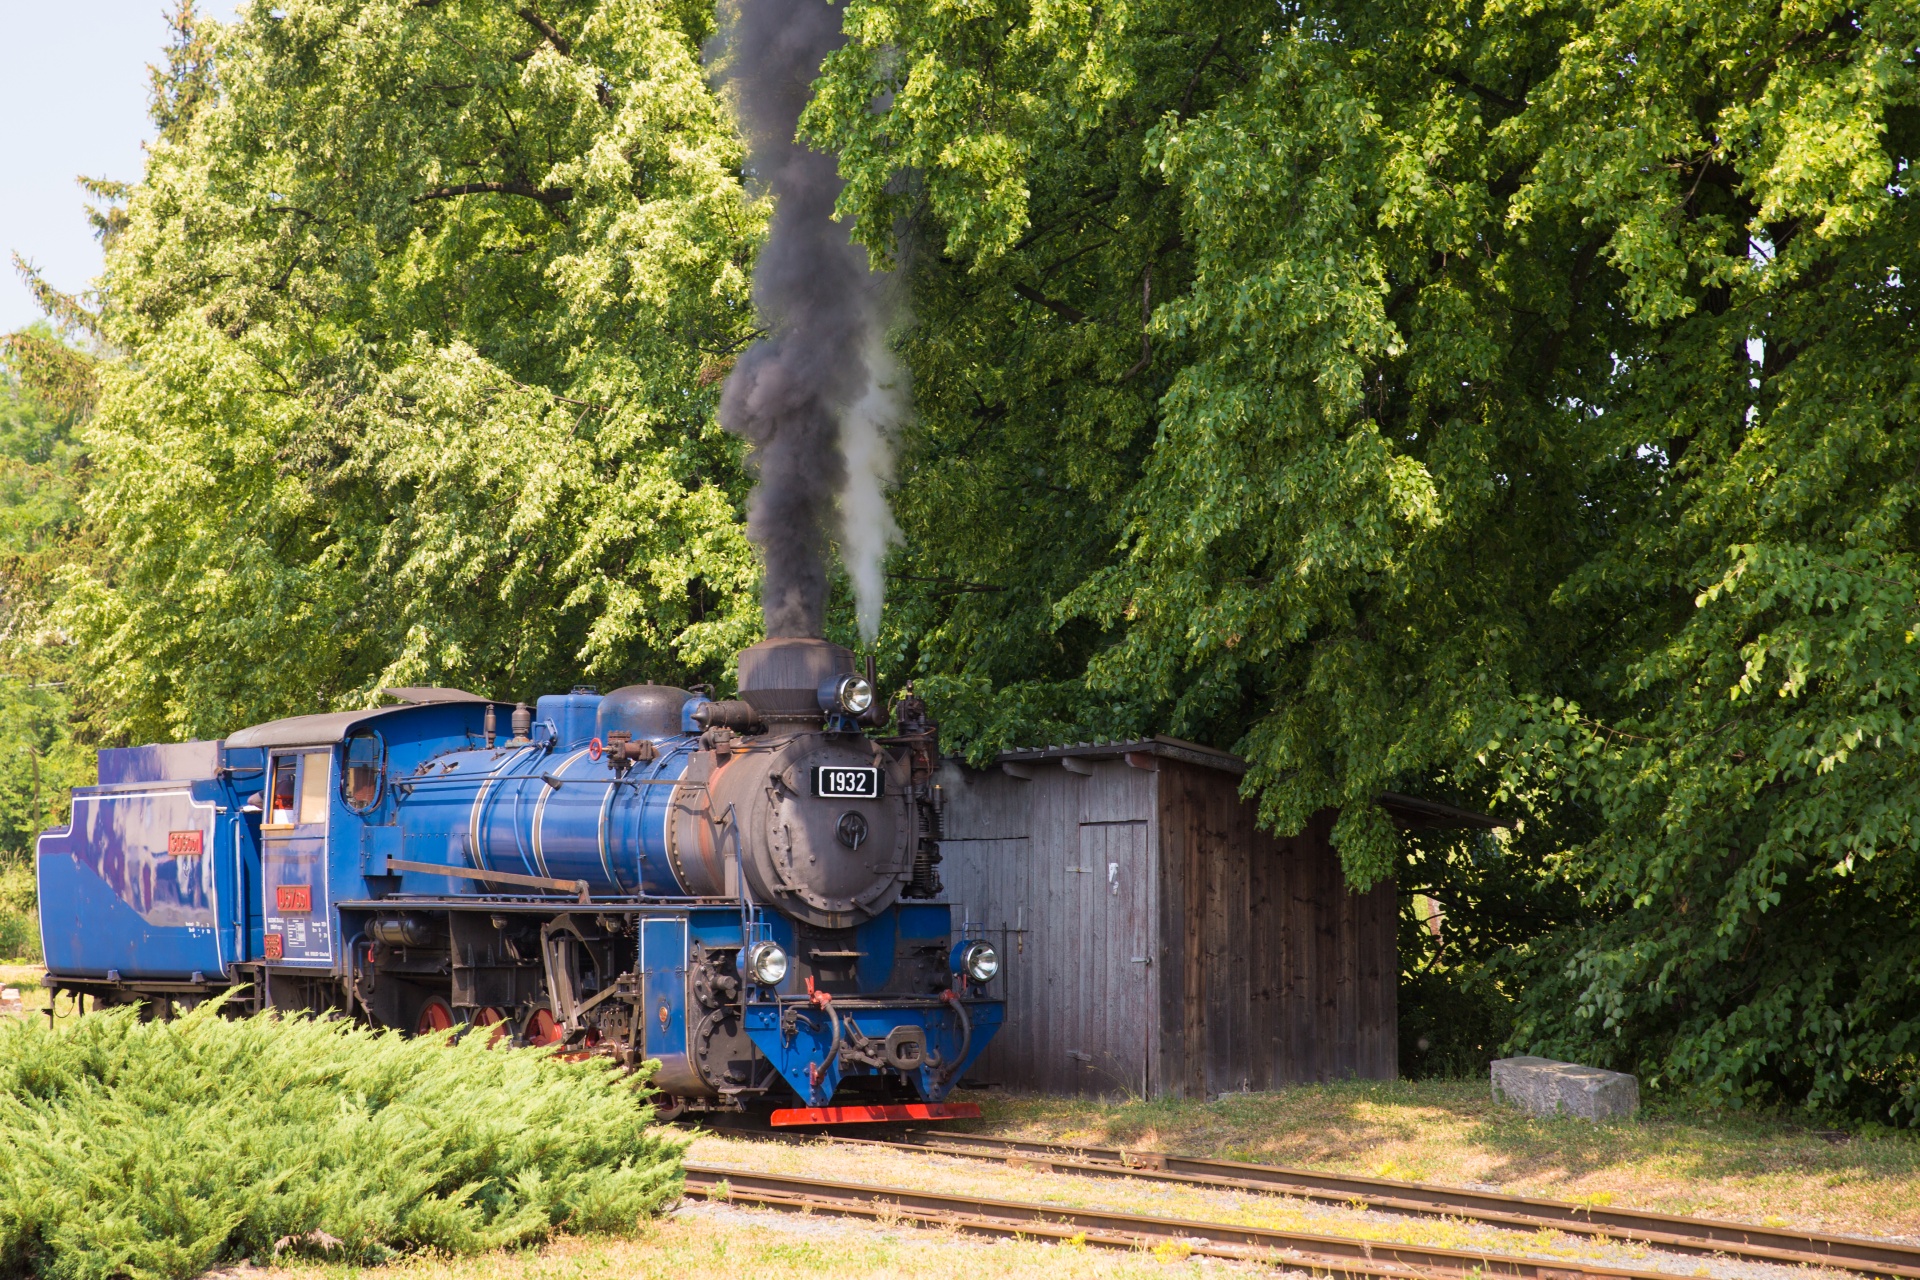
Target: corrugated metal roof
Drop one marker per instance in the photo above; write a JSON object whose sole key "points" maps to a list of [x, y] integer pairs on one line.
{"points": [[1408, 811]]}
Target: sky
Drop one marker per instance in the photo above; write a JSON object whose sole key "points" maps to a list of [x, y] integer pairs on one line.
{"points": [[73, 100]]}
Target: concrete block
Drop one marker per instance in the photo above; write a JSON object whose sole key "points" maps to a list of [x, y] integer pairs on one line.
{"points": [[1546, 1088]]}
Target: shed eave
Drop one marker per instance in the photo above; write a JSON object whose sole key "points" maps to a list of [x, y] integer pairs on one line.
{"points": [[1409, 812], [1159, 745]]}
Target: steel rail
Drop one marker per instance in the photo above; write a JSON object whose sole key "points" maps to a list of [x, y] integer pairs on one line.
{"points": [[1670, 1232], [1673, 1232], [1320, 1254]]}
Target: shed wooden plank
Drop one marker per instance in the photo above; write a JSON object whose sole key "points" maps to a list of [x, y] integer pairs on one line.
{"points": [[1326, 909], [1236, 864], [1263, 920], [1194, 995], [1170, 920], [1308, 886]]}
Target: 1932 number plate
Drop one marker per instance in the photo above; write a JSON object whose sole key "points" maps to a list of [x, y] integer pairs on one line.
{"points": [[846, 782]]}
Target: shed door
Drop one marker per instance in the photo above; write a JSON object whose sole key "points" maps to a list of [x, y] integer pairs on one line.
{"points": [[1113, 862], [293, 859]]}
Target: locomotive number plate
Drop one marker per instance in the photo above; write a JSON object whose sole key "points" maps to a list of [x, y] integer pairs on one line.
{"points": [[185, 844], [846, 782], [293, 897]]}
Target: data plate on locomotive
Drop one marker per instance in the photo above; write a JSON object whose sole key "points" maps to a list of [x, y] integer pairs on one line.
{"points": [[846, 782]]}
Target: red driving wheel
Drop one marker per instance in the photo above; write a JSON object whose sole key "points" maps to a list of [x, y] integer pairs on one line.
{"points": [[435, 1016], [491, 1017], [541, 1027]]}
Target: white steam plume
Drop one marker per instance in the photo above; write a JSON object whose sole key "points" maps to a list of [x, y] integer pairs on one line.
{"points": [[867, 527]]}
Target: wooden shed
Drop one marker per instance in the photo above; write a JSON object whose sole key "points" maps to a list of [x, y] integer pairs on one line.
{"points": [[1156, 941]]}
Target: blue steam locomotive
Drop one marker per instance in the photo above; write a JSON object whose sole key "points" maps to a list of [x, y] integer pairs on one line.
{"points": [[745, 890]]}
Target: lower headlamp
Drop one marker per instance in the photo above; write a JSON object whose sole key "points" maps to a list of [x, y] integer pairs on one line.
{"points": [[979, 961], [766, 963]]}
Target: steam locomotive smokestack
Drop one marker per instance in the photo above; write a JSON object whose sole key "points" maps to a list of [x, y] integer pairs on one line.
{"points": [[819, 391]]}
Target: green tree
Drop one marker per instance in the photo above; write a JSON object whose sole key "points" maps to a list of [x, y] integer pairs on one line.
{"points": [[42, 476], [415, 322], [1524, 410]]}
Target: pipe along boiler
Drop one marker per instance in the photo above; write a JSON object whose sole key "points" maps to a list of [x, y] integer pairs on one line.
{"points": [[745, 891]]}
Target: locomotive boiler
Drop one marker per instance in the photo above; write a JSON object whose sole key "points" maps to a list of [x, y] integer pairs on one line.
{"points": [[744, 891]]}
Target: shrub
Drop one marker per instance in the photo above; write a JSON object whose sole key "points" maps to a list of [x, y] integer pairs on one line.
{"points": [[161, 1149]]}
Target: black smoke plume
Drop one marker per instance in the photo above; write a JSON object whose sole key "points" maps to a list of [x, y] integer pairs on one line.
{"points": [[822, 307]]}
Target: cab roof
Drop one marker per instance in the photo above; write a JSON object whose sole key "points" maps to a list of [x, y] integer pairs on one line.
{"points": [[329, 727]]}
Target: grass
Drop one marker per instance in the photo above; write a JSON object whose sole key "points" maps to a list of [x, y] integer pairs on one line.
{"points": [[25, 978], [712, 1243], [156, 1150], [1757, 1168]]}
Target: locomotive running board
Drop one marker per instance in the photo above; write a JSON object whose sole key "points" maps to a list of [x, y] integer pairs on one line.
{"points": [[875, 1115]]}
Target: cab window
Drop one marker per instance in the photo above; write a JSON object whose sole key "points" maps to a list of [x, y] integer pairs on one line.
{"points": [[299, 791], [313, 789], [360, 771], [286, 780]]}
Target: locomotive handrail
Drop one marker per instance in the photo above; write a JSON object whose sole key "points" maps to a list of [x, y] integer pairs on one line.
{"points": [[858, 1003], [412, 784], [614, 904], [578, 887]]}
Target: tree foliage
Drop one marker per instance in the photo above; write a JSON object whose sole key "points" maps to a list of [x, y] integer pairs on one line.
{"points": [[415, 321], [1524, 411], [43, 744]]}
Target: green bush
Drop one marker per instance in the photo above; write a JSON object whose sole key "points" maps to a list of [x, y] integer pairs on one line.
{"points": [[19, 914], [161, 1149]]}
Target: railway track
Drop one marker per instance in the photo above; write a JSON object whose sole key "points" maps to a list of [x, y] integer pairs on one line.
{"points": [[1668, 1232], [1319, 1254]]}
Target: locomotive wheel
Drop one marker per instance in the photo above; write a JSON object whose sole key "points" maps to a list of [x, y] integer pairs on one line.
{"points": [[667, 1107], [436, 1015], [541, 1028], [489, 1016]]}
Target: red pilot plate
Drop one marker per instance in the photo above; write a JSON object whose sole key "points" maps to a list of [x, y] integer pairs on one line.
{"points": [[873, 1115]]}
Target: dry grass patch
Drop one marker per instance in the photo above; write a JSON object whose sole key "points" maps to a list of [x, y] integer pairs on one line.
{"points": [[1755, 1168], [712, 1242], [25, 978]]}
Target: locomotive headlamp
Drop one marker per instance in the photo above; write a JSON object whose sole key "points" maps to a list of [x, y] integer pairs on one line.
{"points": [[766, 963], [978, 960], [851, 695]]}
